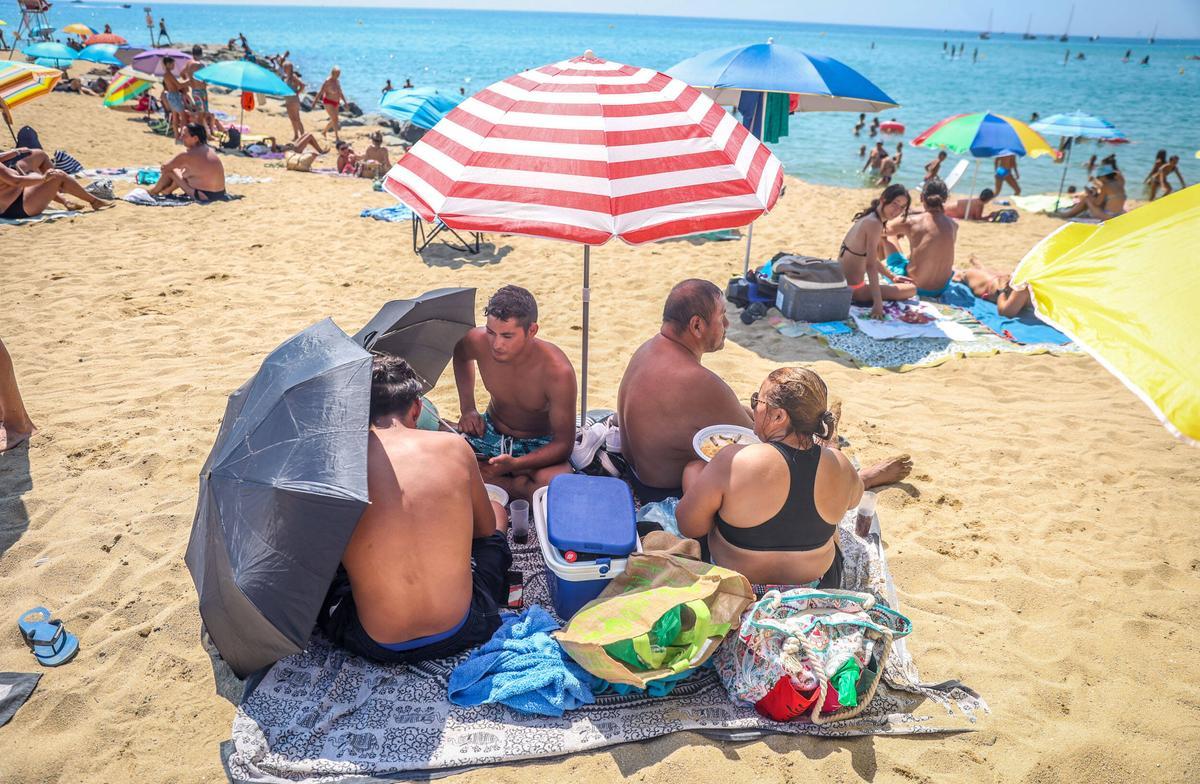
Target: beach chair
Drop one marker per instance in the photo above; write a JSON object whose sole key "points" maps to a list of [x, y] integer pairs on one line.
{"points": [[423, 237], [34, 24]]}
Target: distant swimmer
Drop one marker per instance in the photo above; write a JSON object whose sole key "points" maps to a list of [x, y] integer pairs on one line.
{"points": [[887, 169], [1167, 169], [1080, 56], [1006, 171], [862, 151], [876, 158], [1067, 57], [1034, 117], [1151, 181], [862, 121], [975, 55], [408, 85], [934, 167], [1128, 53], [1145, 60], [899, 153]]}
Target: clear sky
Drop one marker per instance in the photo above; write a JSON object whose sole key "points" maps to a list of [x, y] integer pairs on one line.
{"points": [[1120, 18]]}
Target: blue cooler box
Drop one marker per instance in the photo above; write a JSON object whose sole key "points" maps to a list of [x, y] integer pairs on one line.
{"points": [[593, 517]]}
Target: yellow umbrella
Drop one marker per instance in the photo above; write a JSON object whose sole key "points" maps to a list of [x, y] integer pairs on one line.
{"points": [[1125, 291], [78, 28], [36, 81]]}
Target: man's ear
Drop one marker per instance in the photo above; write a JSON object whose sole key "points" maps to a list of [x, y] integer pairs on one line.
{"points": [[533, 328], [696, 325]]}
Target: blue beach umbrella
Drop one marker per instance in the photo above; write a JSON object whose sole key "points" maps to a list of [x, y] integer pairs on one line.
{"points": [[423, 106], [50, 54], [1074, 125], [105, 54], [245, 76], [821, 83]]}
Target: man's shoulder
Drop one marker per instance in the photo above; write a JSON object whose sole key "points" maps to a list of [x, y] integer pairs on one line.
{"points": [[555, 356]]}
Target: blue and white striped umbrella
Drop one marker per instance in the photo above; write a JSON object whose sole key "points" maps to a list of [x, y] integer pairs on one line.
{"points": [[1077, 124]]}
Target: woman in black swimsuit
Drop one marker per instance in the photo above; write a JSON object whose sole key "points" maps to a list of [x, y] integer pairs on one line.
{"points": [[770, 510]]}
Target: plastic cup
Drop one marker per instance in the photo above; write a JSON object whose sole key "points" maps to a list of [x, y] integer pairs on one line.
{"points": [[518, 520], [866, 514]]}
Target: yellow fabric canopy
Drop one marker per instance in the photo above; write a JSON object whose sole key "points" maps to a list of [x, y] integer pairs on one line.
{"points": [[1128, 292], [78, 28]]}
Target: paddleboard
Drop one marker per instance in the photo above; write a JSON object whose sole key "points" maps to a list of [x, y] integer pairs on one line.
{"points": [[956, 173]]}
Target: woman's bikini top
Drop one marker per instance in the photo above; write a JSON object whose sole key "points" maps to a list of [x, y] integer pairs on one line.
{"points": [[798, 526]]}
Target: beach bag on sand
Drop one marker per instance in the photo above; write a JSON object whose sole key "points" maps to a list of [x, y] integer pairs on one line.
{"points": [[300, 161], [811, 655], [664, 615]]}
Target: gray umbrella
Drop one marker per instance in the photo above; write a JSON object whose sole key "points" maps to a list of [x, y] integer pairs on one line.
{"points": [[280, 495], [423, 331]]}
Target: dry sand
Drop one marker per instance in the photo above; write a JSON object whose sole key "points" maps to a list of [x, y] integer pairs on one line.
{"points": [[1046, 546]]}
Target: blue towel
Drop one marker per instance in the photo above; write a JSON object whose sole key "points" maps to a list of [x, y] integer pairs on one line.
{"points": [[396, 214], [1025, 328], [522, 667]]}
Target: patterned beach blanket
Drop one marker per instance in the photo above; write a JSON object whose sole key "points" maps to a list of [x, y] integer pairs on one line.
{"points": [[325, 715], [913, 353]]}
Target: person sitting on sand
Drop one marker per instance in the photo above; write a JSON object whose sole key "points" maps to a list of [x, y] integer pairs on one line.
{"points": [[426, 569], [375, 159], [995, 287], [970, 209], [525, 437], [292, 102], [667, 395], [332, 98], [933, 168], [347, 159], [860, 255], [1006, 171], [1104, 197], [27, 194], [197, 171], [931, 236], [1164, 171], [15, 425], [770, 511]]}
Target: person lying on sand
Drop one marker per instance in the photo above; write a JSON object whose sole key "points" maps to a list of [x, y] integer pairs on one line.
{"points": [[15, 425], [27, 195], [667, 395], [860, 255], [959, 209], [994, 286], [425, 572], [771, 510], [1104, 197], [525, 437], [197, 171], [931, 237]]}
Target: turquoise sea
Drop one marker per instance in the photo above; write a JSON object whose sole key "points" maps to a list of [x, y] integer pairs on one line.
{"points": [[1157, 105]]}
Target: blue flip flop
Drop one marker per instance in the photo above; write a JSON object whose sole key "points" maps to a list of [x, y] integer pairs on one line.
{"points": [[49, 640]]}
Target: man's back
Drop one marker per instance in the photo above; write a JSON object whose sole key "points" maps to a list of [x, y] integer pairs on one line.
{"points": [[932, 235], [409, 559], [665, 396]]}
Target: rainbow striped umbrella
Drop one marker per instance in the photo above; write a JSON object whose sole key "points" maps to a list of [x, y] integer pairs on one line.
{"points": [[124, 88], [984, 135], [35, 81], [13, 72]]}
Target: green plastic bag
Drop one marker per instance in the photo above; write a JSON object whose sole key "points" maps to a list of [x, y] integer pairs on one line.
{"points": [[668, 645]]}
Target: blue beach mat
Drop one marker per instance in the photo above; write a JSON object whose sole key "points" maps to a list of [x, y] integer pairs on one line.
{"points": [[1024, 328], [397, 214]]}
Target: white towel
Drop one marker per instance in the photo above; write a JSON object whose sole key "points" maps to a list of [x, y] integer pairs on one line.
{"points": [[894, 329]]}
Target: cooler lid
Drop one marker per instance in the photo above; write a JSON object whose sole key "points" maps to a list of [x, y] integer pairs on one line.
{"points": [[591, 514]]}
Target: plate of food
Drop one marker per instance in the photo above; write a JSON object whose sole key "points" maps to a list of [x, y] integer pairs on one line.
{"points": [[714, 438], [497, 494]]}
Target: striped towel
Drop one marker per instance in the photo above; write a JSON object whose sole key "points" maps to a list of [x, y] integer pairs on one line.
{"points": [[66, 163]]}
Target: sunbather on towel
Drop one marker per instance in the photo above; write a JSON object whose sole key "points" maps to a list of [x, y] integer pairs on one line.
{"points": [[426, 568], [970, 208], [860, 252], [995, 287], [770, 510], [525, 437], [931, 236], [197, 171], [28, 194]]}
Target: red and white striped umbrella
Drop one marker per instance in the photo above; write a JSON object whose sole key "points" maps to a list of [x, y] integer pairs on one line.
{"points": [[585, 150]]}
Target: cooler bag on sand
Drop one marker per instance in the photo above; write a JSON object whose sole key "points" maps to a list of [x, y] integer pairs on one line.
{"points": [[812, 654], [664, 615]]}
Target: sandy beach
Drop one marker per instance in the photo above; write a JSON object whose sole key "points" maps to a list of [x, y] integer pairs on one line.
{"points": [[1045, 547]]}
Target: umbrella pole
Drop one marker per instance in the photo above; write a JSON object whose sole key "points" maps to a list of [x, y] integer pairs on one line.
{"points": [[10, 130], [762, 128], [1063, 180], [971, 193], [587, 296]]}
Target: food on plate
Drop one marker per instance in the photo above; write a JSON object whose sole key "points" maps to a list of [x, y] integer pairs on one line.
{"points": [[718, 441]]}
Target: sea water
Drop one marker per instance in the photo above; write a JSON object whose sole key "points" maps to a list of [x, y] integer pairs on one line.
{"points": [[1156, 105]]}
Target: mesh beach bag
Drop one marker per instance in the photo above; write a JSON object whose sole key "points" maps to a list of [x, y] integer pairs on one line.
{"points": [[810, 655]]}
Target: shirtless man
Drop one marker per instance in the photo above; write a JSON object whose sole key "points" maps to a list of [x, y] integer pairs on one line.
{"points": [[995, 287], [1105, 196], [525, 437], [931, 235], [28, 194], [332, 98], [875, 158], [197, 171], [1168, 168], [292, 102], [375, 159], [1006, 171], [173, 91], [426, 568], [933, 168], [887, 168], [970, 209], [200, 107], [667, 395]]}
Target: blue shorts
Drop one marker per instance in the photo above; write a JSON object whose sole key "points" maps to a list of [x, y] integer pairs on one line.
{"points": [[897, 264], [493, 442]]}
